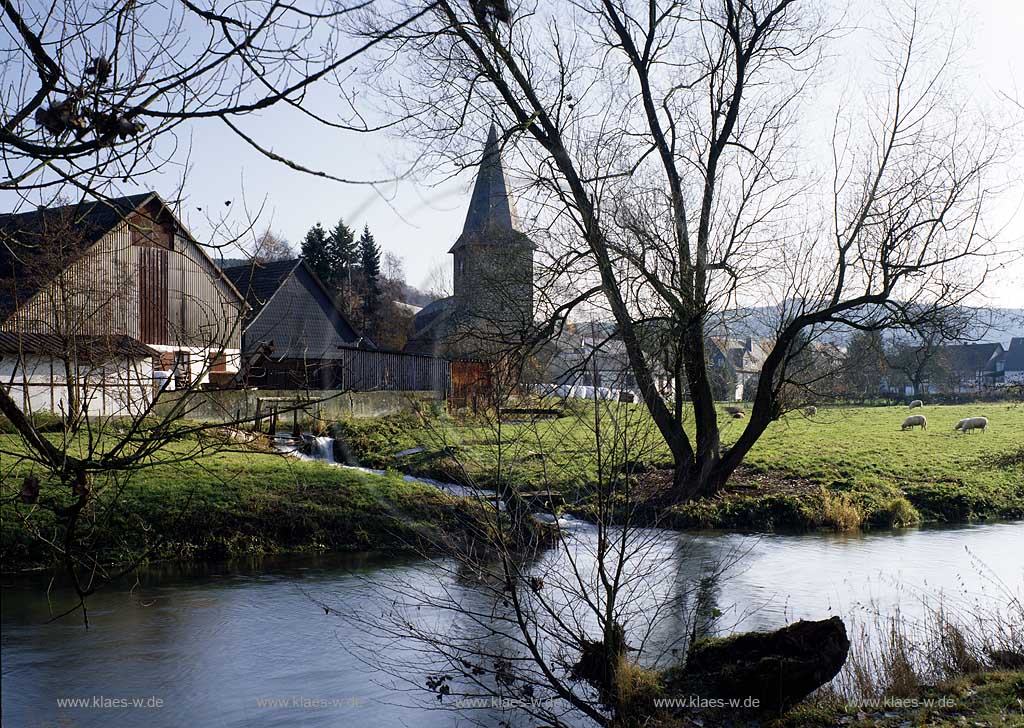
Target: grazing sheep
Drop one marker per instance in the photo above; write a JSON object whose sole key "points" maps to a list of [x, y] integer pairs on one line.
{"points": [[916, 403], [733, 410], [972, 423], [915, 421], [810, 411]]}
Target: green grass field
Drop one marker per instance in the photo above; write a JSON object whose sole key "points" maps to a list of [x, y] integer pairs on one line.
{"points": [[858, 455], [846, 467], [234, 503]]}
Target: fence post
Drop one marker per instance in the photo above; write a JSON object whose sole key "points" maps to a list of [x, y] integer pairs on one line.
{"points": [[258, 419]]}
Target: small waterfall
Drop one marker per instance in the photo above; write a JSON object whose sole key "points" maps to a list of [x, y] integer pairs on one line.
{"points": [[322, 448]]}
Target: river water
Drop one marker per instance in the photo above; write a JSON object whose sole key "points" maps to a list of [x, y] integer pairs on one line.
{"points": [[249, 644]]}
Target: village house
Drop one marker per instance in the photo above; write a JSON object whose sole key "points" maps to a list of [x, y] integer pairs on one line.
{"points": [[103, 303], [965, 368], [294, 333], [737, 362], [1013, 362]]}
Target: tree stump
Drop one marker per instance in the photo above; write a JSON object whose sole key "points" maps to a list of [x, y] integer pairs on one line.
{"points": [[778, 669]]}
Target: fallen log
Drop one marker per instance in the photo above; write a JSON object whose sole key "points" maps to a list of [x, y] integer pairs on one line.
{"points": [[767, 672]]}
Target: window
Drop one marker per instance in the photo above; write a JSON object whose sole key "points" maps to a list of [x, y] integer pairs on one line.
{"points": [[182, 369]]}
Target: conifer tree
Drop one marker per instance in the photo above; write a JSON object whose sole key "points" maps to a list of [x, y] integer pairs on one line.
{"points": [[344, 252], [369, 256], [316, 252]]}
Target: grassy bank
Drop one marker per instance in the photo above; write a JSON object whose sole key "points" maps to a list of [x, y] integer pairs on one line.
{"points": [[984, 699], [844, 468], [239, 503]]}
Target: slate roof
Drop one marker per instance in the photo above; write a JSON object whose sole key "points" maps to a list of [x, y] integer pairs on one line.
{"points": [[304, 321], [491, 217], [1015, 355], [259, 282], [972, 357], [431, 326], [54, 345], [23, 237]]}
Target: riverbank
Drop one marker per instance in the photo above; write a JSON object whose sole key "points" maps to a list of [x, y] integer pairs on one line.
{"points": [[844, 468], [985, 699], [242, 503]]}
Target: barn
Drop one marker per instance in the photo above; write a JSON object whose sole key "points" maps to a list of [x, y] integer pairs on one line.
{"points": [[103, 302]]}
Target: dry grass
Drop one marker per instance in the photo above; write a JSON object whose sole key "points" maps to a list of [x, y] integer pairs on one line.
{"points": [[839, 512], [896, 656]]}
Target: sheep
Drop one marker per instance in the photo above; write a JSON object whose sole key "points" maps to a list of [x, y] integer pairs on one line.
{"points": [[972, 423], [733, 410], [810, 411], [915, 421], [737, 415], [916, 403]]}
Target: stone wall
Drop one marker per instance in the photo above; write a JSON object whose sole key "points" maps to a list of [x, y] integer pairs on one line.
{"points": [[230, 405]]}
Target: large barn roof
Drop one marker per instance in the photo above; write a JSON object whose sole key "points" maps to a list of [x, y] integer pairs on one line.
{"points": [[26, 249], [259, 282]]}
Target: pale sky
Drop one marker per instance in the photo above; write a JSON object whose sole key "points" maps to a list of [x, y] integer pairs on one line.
{"points": [[419, 220]]}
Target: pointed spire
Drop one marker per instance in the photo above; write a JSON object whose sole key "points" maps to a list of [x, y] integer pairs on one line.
{"points": [[490, 210]]}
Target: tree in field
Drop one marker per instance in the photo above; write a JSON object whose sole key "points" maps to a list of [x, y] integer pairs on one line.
{"points": [[916, 351], [369, 264], [864, 367], [659, 144]]}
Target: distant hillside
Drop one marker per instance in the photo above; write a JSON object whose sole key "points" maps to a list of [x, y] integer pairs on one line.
{"points": [[992, 324], [998, 324], [233, 262]]}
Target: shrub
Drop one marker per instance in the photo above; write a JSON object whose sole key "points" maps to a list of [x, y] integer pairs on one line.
{"points": [[896, 512], [839, 512]]}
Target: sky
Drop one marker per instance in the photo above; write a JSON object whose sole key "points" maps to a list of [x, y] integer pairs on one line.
{"points": [[418, 219]]}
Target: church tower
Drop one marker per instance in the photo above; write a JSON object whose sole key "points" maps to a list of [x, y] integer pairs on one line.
{"points": [[492, 276], [492, 258]]}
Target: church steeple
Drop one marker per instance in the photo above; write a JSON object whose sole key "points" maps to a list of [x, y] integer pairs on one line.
{"points": [[491, 215]]}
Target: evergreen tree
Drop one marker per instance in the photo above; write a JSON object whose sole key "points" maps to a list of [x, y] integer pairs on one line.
{"points": [[317, 253], [369, 256], [344, 254]]}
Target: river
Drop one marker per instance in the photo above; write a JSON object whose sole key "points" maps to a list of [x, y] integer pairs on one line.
{"points": [[248, 644]]}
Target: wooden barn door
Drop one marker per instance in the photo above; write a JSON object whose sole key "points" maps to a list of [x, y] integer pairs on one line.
{"points": [[152, 295]]}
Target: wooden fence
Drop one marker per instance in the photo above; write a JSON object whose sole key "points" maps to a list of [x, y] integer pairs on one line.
{"points": [[356, 370]]}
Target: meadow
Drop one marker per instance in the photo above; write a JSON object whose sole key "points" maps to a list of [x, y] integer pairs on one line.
{"points": [[845, 467], [233, 503]]}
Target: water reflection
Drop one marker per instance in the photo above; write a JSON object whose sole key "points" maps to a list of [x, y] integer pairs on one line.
{"points": [[215, 642]]}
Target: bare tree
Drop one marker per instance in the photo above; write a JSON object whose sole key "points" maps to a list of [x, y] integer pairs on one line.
{"points": [[549, 619], [98, 95], [657, 143], [270, 247]]}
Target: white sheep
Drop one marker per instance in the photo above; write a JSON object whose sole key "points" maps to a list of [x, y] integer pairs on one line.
{"points": [[915, 421], [972, 423], [916, 403], [810, 411]]}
